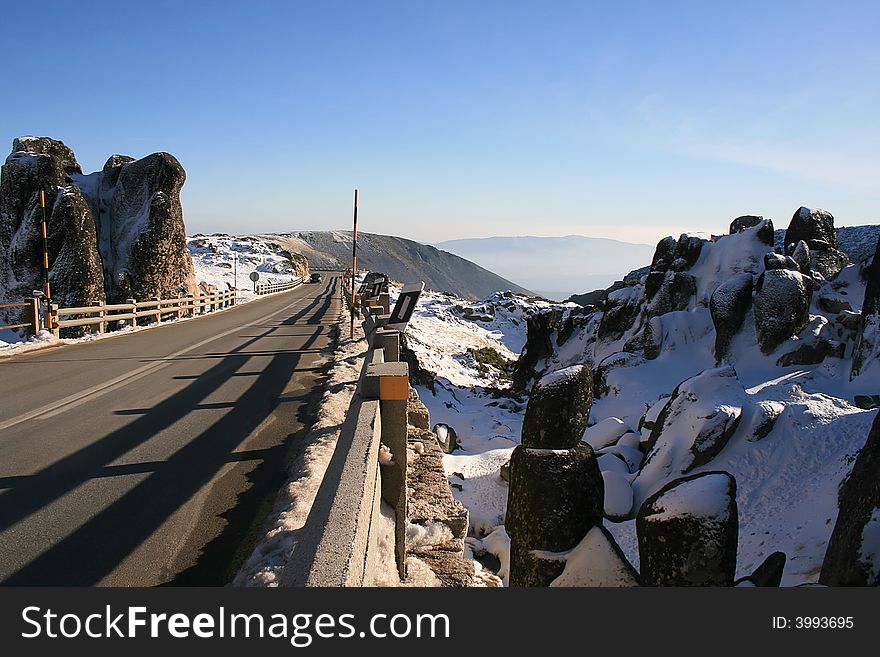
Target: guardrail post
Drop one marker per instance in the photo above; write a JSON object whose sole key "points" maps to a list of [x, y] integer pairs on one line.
{"points": [[134, 311], [158, 301], [385, 302], [389, 383], [53, 320], [36, 314], [389, 341], [101, 324]]}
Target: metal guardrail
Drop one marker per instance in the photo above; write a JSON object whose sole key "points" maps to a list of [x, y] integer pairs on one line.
{"points": [[269, 288]]}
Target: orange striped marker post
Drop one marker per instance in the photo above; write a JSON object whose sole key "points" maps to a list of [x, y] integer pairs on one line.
{"points": [[45, 248]]}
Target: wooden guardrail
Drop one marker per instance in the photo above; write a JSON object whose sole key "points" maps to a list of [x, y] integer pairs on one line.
{"points": [[269, 288], [33, 305], [101, 315]]}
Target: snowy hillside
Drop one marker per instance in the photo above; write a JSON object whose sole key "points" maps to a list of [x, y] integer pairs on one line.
{"points": [[686, 380], [214, 259]]}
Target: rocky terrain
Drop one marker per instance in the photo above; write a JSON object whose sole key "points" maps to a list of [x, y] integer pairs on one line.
{"points": [[729, 390], [112, 234]]}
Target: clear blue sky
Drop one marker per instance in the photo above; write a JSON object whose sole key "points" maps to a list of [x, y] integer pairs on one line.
{"points": [[466, 119]]}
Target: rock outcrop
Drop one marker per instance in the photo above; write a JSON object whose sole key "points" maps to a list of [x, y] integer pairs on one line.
{"points": [[41, 164], [782, 306], [867, 350], [853, 554], [729, 304], [113, 234]]}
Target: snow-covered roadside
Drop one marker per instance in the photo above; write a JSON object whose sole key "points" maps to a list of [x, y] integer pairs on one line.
{"points": [[295, 499], [212, 266]]}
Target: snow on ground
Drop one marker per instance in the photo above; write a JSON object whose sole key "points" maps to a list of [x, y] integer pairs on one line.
{"points": [[214, 260]]}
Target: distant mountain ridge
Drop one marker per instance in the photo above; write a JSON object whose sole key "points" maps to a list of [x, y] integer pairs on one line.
{"points": [[401, 259], [555, 267]]}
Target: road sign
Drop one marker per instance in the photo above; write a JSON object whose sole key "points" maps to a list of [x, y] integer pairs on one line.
{"points": [[255, 276], [378, 285], [406, 304]]}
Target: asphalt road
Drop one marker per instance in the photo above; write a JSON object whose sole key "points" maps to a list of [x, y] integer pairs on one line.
{"points": [[150, 458]]}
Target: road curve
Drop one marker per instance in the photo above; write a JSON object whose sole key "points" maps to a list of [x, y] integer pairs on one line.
{"points": [[148, 458]]}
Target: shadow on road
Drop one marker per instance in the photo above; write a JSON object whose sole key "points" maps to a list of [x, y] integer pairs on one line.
{"points": [[96, 547]]}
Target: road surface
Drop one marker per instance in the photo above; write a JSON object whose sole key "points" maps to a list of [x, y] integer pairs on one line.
{"points": [[149, 458]]}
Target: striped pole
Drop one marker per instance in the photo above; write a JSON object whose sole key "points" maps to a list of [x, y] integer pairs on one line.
{"points": [[354, 262], [45, 248]]}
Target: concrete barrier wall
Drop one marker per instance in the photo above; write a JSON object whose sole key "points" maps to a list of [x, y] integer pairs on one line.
{"points": [[336, 547]]}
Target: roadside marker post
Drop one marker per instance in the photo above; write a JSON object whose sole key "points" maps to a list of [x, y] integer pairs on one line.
{"points": [[354, 261]]}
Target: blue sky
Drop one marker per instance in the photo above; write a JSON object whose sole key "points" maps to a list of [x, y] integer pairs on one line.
{"points": [[466, 119]]}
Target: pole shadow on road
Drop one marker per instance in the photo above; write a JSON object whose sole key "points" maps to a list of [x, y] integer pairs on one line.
{"points": [[96, 547]]}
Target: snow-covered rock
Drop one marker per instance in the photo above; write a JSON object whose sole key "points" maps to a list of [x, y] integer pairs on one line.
{"points": [[559, 407], [729, 304], [556, 496], [810, 225], [687, 532], [782, 306], [604, 433], [698, 420], [42, 164]]}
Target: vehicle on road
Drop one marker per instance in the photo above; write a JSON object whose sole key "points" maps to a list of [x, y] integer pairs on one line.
{"points": [[316, 277]]}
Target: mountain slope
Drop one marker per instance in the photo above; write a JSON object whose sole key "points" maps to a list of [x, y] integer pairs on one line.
{"points": [[555, 267], [401, 259]]}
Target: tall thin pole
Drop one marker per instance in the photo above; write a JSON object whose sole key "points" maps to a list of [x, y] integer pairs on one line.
{"points": [[45, 249], [354, 262]]}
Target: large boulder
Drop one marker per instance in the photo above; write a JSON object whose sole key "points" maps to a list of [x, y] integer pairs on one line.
{"points": [[147, 254], [828, 262], [694, 426], [853, 554], [668, 292], [113, 234], [558, 409], [76, 274], [540, 328], [555, 498], [728, 305], [42, 164], [782, 306], [621, 310], [765, 232], [687, 532], [867, 349], [815, 227]]}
